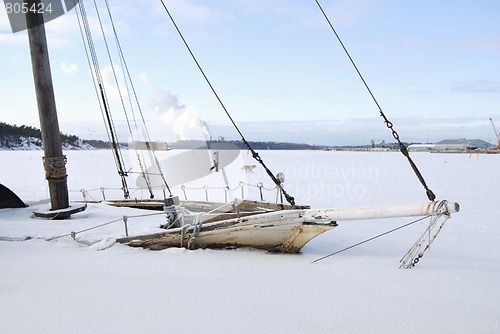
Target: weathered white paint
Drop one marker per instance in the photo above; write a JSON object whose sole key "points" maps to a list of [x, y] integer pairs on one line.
{"points": [[376, 212], [284, 231]]}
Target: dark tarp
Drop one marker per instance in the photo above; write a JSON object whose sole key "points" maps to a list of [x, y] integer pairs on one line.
{"points": [[8, 199]]}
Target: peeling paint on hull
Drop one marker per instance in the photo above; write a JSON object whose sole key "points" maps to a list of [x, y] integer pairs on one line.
{"points": [[284, 232]]}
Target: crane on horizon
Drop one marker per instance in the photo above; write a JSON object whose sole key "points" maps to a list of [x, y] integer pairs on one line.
{"points": [[496, 134]]}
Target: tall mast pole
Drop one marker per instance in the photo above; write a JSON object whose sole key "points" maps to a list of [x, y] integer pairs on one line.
{"points": [[54, 161]]}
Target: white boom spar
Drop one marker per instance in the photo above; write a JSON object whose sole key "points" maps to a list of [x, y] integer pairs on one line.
{"points": [[376, 212]]}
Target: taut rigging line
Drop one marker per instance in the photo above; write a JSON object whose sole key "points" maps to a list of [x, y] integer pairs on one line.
{"points": [[98, 81], [389, 124], [148, 137], [370, 239], [255, 155], [101, 95]]}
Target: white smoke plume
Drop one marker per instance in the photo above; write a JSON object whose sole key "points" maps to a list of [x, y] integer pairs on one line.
{"points": [[179, 121]]}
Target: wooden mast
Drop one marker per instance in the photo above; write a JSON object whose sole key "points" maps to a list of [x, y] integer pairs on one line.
{"points": [[54, 160]]}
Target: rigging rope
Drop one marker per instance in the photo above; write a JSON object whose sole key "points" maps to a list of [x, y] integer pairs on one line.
{"points": [[423, 244], [104, 105], [115, 76], [389, 124], [369, 239], [255, 155], [99, 88], [148, 137]]}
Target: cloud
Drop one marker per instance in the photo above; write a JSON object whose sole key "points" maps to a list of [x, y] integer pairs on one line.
{"points": [[69, 69], [114, 83], [143, 77], [410, 68], [10, 38], [192, 11], [478, 86], [489, 43], [297, 15], [350, 12], [6, 35], [165, 100]]}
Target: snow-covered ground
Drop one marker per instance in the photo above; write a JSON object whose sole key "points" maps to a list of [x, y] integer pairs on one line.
{"points": [[64, 286]]}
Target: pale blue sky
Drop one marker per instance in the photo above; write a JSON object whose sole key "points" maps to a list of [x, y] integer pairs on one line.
{"points": [[435, 63]]}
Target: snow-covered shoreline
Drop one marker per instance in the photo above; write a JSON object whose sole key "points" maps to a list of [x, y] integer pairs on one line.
{"points": [[35, 144]]}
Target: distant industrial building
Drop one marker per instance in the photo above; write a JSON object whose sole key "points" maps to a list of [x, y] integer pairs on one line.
{"points": [[462, 145], [421, 147], [149, 145], [453, 145]]}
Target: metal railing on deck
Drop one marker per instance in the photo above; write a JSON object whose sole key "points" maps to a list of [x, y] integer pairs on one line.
{"points": [[243, 190]]}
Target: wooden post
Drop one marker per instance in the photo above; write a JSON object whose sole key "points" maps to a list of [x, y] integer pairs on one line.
{"points": [[54, 160]]}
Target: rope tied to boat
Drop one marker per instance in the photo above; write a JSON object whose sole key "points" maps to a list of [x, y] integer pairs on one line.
{"points": [[423, 244], [55, 168], [196, 231], [404, 150], [173, 216], [121, 219], [416, 252], [369, 239]]}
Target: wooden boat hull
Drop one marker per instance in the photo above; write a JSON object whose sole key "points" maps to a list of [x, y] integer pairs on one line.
{"points": [[284, 231]]}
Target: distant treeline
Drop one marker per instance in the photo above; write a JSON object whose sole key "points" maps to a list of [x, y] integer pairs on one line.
{"points": [[13, 135], [97, 143], [9, 131], [259, 146]]}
